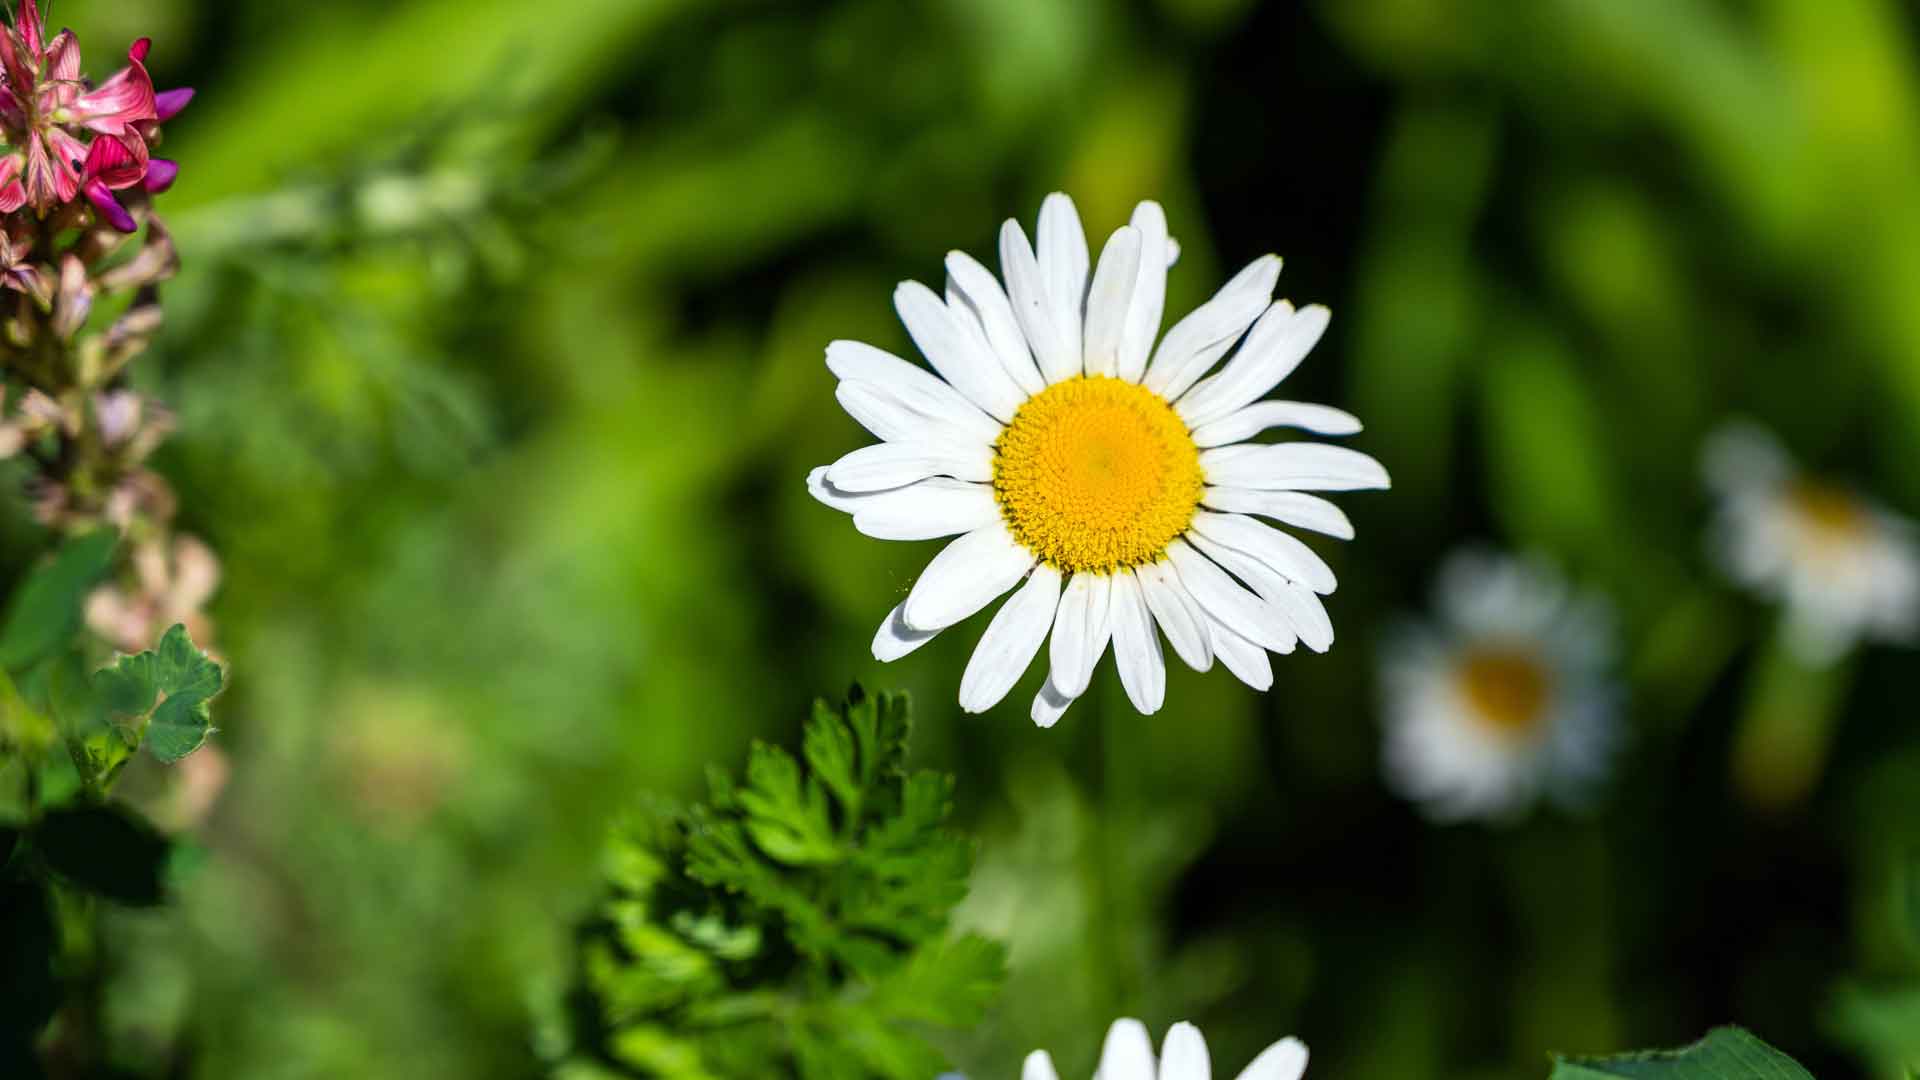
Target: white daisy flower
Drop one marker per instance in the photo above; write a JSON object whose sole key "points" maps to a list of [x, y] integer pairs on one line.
{"points": [[1845, 568], [1128, 1055], [1506, 700], [1108, 478]]}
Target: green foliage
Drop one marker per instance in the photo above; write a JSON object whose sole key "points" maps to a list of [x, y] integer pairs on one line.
{"points": [[794, 926], [179, 678], [108, 851], [1724, 1054], [158, 699], [45, 610]]}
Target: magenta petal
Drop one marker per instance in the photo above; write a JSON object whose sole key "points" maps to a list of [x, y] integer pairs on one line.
{"points": [[161, 174], [118, 162], [40, 175], [138, 53], [33, 28], [13, 196], [109, 207], [20, 77], [63, 58], [124, 99], [167, 104]]}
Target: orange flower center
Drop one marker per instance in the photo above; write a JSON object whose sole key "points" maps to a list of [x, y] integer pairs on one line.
{"points": [[1506, 688]]}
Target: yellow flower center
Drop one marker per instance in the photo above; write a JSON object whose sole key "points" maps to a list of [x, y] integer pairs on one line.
{"points": [[1096, 474], [1506, 688], [1833, 516]]}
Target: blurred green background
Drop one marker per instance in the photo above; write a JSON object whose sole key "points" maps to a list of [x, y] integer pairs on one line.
{"points": [[498, 361]]}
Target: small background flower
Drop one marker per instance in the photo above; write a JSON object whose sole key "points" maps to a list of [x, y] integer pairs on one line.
{"points": [[1843, 568], [1506, 697]]}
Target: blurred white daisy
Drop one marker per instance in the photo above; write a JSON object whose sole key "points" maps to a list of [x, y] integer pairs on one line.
{"points": [[1128, 1055], [1506, 699], [1845, 568], [1111, 480]]}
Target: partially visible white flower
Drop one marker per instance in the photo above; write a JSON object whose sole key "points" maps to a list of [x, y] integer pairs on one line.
{"points": [[1844, 568], [1128, 1055], [1505, 699]]}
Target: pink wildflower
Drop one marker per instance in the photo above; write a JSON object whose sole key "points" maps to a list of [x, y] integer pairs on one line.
{"points": [[69, 138]]}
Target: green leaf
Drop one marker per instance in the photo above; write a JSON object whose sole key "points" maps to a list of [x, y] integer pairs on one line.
{"points": [[106, 850], [947, 982], [98, 747], [1725, 1053], [177, 675], [787, 817], [795, 925], [45, 611]]}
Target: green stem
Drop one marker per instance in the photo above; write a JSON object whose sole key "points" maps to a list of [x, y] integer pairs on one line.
{"points": [[1792, 713]]}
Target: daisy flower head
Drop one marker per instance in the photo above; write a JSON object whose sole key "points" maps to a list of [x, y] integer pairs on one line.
{"points": [[1506, 697], [1102, 472], [1128, 1055], [1844, 568]]}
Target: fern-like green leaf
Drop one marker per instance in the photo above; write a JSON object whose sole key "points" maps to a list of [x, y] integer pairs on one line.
{"points": [[796, 925]]}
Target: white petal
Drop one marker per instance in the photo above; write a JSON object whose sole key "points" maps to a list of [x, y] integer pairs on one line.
{"points": [[1279, 550], [1136, 648], [1274, 347], [1063, 270], [1306, 616], [1055, 349], [1246, 423], [1080, 632], [990, 305], [911, 387], [1179, 616], [1038, 1066], [1226, 601], [1195, 342], [1108, 298], [896, 464], [1304, 609], [896, 639], [1049, 705], [1293, 466], [965, 577], [962, 360], [1149, 292], [1294, 508], [1247, 661], [1183, 1056], [1127, 1053], [1284, 1060], [923, 511], [1011, 640]]}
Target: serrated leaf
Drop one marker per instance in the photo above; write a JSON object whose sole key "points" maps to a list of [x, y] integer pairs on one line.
{"points": [[105, 850], [43, 614], [795, 925], [177, 675], [786, 815], [1725, 1053], [949, 982], [178, 728]]}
